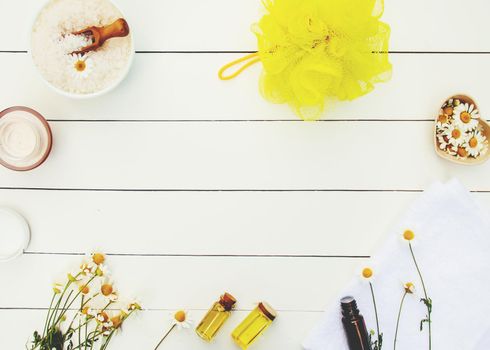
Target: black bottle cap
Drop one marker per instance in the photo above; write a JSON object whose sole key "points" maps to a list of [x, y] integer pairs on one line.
{"points": [[349, 306]]}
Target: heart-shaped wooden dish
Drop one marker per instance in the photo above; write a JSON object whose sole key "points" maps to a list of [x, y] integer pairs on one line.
{"points": [[460, 134]]}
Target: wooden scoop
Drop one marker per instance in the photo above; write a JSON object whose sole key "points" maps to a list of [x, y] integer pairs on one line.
{"points": [[485, 128], [100, 35]]}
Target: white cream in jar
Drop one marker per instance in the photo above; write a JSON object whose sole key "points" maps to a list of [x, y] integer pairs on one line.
{"points": [[25, 138]]}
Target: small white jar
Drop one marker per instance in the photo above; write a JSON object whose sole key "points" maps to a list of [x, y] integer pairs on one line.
{"points": [[25, 138], [14, 234]]}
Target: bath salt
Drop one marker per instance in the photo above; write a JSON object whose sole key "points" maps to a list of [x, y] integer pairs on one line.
{"points": [[52, 43]]}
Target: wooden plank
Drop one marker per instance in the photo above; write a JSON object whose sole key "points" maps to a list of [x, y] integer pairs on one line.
{"points": [[265, 223], [144, 331], [417, 25], [191, 282], [285, 223], [169, 87], [244, 156]]}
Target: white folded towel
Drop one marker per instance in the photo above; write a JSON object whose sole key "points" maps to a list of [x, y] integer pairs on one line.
{"points": [[452, 246]]}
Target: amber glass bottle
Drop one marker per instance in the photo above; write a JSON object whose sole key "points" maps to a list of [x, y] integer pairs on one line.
{"points": [[216, 317], [254, 325], [354, 325]]}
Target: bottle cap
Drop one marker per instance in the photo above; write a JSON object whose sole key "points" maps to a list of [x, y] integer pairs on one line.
{"points": [[349, 306], [228, 301], [268, 310]]}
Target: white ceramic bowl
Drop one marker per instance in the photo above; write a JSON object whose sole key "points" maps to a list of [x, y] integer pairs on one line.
{"points": [[94, 94]]}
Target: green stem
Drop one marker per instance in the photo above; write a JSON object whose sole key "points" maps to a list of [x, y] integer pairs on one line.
{"points": [[429, 311], [65, 308], [92, 334], [398, 318], [86, 331], [165, 336], [81, 308], [47, 315], [106, 342], [375, 312]]}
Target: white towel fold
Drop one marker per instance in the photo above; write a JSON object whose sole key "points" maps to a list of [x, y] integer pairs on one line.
{"points": [[452, 246]]}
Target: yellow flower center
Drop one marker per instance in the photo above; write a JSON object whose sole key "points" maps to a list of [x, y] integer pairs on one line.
{"points": [[98, 258], [409, 287], [465, 117], [80, 66], [408, 235], [367, 272], [456, 133], [448, 110], [442, 118], [180, 316], [106, 289], [473, 142], [84, 289], [462, 152]]}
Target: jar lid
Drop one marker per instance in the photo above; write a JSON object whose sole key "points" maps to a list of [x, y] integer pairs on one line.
{"points": [[25, 138], [268, 310], [228, 301], [14, 234]]}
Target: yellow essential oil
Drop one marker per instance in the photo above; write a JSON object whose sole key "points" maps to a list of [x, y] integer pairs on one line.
{"points": [[216, 317], [254, 325]]}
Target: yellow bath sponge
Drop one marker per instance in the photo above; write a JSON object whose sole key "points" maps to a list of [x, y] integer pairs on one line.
{"points": [[317, 51]]}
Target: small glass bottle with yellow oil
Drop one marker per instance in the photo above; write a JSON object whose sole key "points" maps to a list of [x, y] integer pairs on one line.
{"points": [[216, 317], [254, 325]]}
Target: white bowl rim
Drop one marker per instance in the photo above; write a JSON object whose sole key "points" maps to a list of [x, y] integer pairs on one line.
{"points": [[26, 232], [93, 94]]}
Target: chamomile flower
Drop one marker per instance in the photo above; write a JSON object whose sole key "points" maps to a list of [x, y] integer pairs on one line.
{"points": [[443, 142], [409, 288], [117, 321], [87, 269], [88, 312], [476, 144], [134, 305], [367, 274], [57, 288], [442, 122], [466, 116], [102, 317], [85, 288], [108, 291], [181, 319], [454, 133], [409, 237], [81, 66], [74, 275], [97, 258]]}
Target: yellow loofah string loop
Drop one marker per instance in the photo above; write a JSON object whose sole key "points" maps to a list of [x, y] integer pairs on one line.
{"points": [[253, 58]]}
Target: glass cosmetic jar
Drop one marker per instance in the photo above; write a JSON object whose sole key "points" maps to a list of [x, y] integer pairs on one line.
{"points": [[25, 138]]}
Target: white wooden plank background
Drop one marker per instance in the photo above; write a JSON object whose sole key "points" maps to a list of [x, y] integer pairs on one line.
{"points": [[196, 186]]}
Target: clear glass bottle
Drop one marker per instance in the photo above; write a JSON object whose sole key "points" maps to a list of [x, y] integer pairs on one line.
{"points": [[216, 317], [254, 325]]}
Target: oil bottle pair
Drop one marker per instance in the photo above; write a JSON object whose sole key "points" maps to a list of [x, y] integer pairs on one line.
{"points": [[246, 332]]}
